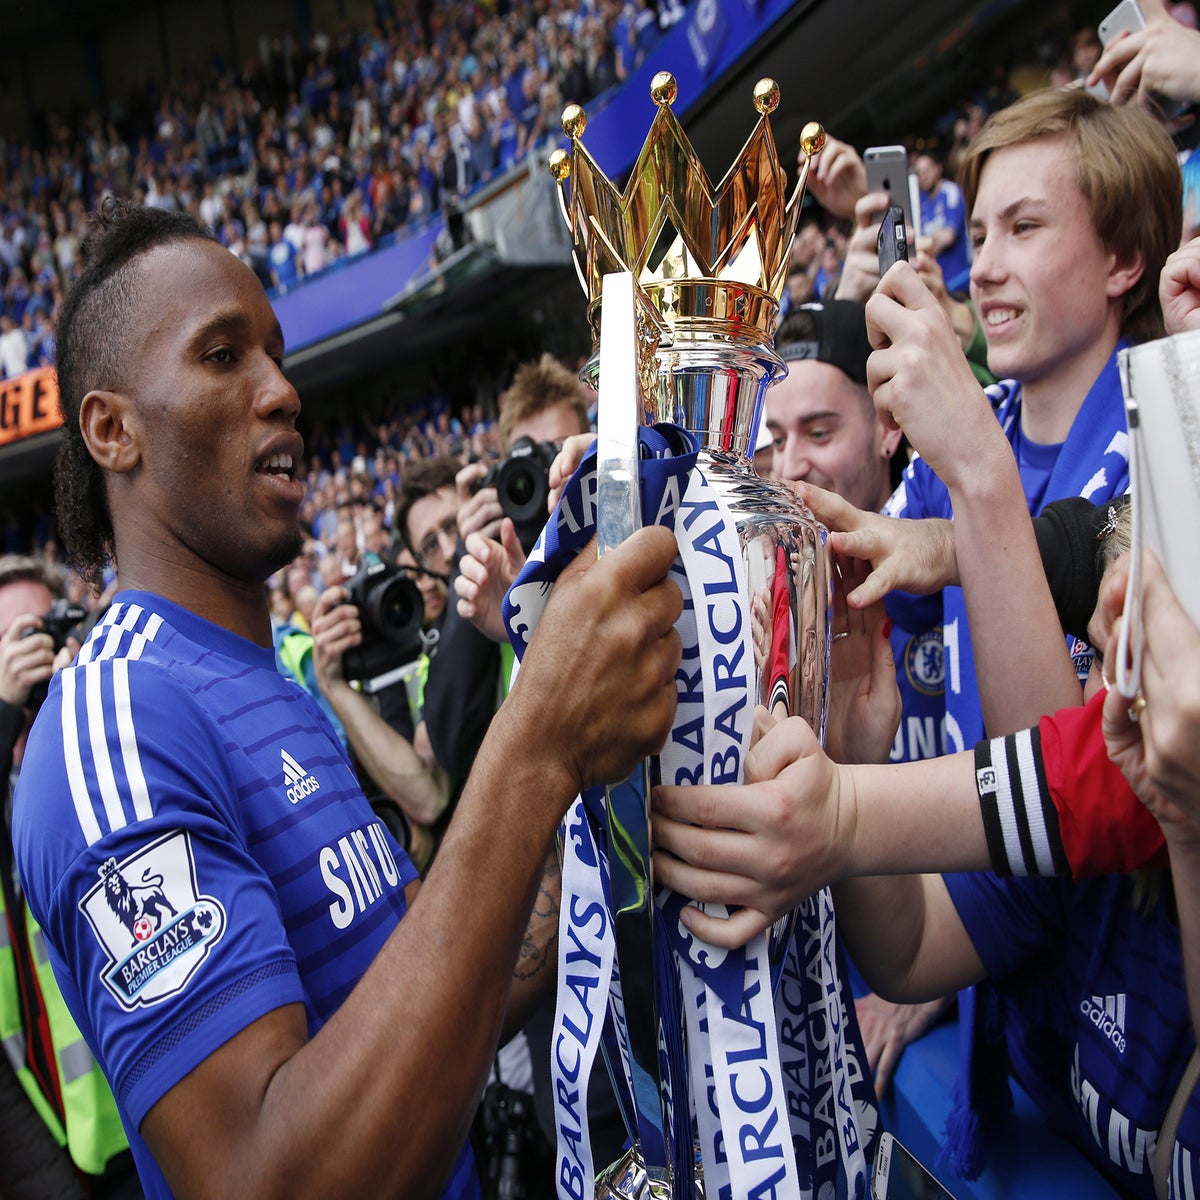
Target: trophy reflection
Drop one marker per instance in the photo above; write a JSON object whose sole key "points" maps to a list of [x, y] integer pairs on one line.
{"points": [[709, 264]]}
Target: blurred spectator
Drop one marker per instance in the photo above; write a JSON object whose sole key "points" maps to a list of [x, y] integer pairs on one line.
{"points": [[14, 355], [802, 271], [1185, 13], [353, 225], [829, 266], [314, 240], [283, 258], [943, 218], [1085, 51]]}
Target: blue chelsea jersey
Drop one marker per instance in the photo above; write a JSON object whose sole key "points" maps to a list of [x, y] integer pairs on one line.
{"points": [[939, 692], [197, 849], [1096, 1013]]}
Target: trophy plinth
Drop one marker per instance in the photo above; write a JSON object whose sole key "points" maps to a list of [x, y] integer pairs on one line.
{"points": [[629, 1179]]}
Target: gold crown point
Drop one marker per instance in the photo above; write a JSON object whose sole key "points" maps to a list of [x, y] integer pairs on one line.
{"points": [[766, 96], [574, 121], [664, 89], [812, 138], [559, 163]]}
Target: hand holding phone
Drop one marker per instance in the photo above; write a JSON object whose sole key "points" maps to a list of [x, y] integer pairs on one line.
{"points": [[893, 239], [1127, 17]]}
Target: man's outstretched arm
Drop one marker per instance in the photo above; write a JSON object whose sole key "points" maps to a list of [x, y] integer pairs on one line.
{"points": [[379, 1102]]}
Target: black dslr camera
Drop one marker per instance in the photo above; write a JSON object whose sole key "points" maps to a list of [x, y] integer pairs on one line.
{"points": [[514, 1158], [392, 613], [60, 621], [522, 481]]}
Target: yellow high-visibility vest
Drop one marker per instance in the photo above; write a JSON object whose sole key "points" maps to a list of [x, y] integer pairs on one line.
{"points": [[93, 1133]]}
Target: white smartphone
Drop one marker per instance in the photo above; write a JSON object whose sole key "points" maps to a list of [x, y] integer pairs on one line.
{"points": [[898, 1175], [887, 171], [1127, 17]]}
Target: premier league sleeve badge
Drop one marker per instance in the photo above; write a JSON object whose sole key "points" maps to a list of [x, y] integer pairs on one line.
{"points": [[149, 916]]}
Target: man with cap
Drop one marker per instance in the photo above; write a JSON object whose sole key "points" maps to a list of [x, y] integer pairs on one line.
{"points": [[821, 415], [825, 426]]}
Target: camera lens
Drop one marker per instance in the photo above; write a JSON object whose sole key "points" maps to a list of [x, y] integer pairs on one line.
{"points": [[396, 608], [521, 488]]}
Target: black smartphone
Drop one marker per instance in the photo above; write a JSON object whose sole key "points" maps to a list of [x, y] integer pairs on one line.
{"points": [[893, 239], [898, 1175]]}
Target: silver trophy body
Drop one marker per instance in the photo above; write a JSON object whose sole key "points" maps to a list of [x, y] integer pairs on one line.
{"points": [[718, 394]]}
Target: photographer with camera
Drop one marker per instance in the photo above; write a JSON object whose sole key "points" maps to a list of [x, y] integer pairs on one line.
{"points": [[469, 677], [59, 1114], [369, 642]]}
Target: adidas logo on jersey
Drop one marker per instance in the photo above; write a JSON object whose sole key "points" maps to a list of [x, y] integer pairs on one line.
{"points": [[1107, 1013], [299, 782]]}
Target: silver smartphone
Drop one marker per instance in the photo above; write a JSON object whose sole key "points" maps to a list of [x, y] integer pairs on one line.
{"points": [[887, 171], [1127, 17], [899, 1175]]}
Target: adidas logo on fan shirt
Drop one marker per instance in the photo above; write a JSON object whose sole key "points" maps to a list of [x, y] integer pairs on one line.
{"points": [[1107, 1013], [298, 781]]}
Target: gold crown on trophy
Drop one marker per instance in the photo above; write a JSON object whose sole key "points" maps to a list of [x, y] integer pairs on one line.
{"points": [[710, 261]]}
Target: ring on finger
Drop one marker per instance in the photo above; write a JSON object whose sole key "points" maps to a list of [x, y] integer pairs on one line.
{"points": [[1137, 706]]}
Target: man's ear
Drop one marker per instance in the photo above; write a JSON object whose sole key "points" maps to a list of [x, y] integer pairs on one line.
{"points": [[109, 427], [1123, 275], [890, 442]]}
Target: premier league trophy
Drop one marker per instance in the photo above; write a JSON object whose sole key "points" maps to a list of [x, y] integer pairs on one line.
{"points": [[710, 264], [730, 1067]]}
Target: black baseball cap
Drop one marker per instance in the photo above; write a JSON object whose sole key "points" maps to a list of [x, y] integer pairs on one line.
{"points": [[834, 332]]}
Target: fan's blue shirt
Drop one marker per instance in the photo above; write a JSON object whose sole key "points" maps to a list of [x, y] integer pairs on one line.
{"points": [[197, 849], [1096, 1014], [931, 641]]}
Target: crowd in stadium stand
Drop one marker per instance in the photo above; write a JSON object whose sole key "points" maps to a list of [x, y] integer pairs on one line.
{"points": [[314, 152]]}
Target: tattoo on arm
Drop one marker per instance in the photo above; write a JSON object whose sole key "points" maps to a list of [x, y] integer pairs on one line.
{"points": [[538, 948]]}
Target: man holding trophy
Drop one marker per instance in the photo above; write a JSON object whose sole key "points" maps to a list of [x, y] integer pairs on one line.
{"points": [[279, 1010]]}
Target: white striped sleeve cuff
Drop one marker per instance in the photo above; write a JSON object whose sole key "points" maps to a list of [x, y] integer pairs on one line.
{"points": [[1019, 816]]}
